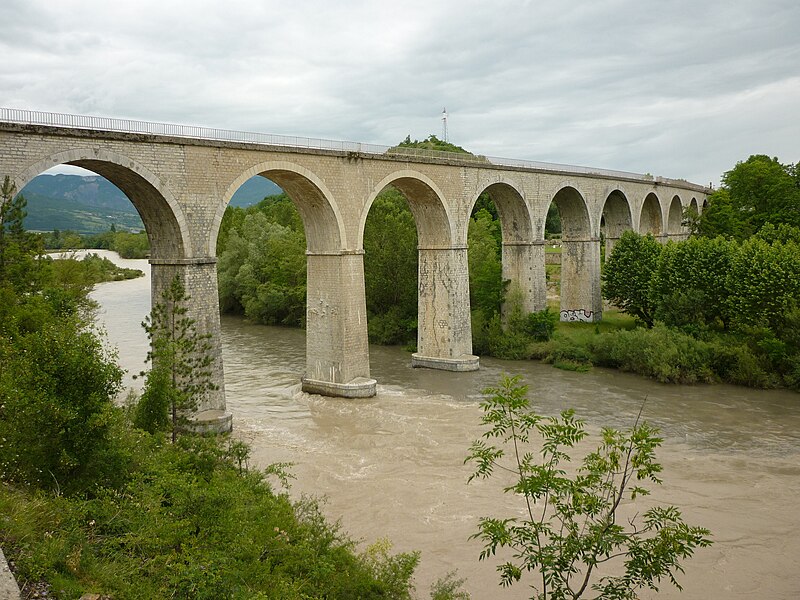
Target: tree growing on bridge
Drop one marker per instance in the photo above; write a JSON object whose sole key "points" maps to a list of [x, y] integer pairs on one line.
{"points": [[572, 530], [180, 364]]}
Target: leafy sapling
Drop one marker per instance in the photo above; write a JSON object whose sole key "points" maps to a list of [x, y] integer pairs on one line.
{"points": [[571, 535]]}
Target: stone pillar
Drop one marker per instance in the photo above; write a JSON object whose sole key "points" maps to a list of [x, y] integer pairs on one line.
{"points": [[199, 277], [610, 243], [580, 280], [337, 349], [444, 337], [523, 266]]}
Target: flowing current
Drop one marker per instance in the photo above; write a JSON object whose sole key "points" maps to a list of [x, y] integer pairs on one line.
{"points": [[392, 466]]}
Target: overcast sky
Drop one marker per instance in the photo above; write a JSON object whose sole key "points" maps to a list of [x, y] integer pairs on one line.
{"points": [[679, 88]]}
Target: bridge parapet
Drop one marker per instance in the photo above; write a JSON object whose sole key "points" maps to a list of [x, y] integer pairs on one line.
{"points": [[346, 148]]}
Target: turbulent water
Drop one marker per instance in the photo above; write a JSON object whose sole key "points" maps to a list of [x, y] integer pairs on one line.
{"points": [[392, 466]]}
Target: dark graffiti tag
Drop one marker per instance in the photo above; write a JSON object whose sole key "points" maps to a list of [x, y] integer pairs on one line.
{"points": [[577, 314]]}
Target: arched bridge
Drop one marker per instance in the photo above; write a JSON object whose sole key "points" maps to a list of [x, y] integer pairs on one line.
{"points": [[181, 178]]}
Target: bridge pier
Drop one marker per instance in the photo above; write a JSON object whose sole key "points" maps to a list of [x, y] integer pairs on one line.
{"points": [[444, 335], [580, 280], [523, 266], [199, 277], [337, 348]]}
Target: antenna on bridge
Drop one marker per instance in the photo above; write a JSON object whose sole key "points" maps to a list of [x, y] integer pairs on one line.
{"points": [[444, 125]]}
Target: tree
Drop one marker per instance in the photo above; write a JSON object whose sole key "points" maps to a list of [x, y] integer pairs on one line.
{"points": [[764, 190], [390, 269], [764, 281], [627, 274], [19, 249], [756, 191], [571, 534], [486, 288], [262, 272], [690, 285], [180, 360], [722, 218]]}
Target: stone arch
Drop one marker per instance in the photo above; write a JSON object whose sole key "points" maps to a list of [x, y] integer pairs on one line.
{"points": [[575, 220], [675, 216], [516, 221], [650, 217], [161, 214], [432, 218], [615, 217], [694, 206], [322, 220], [580, 258], [705, 204], [522, 257]]}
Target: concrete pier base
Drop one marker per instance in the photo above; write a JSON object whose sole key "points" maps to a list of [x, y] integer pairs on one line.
{"points": [[211, 422], [466, 362], [360, 387]]}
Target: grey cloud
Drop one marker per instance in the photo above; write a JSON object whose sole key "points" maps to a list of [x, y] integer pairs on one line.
{"points": [[680, 88]]}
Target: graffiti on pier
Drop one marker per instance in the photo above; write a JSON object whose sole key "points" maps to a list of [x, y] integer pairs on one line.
{"points": [[577, 314]]}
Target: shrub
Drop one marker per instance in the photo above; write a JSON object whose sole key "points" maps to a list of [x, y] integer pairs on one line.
{"points": [[541, 325], [664, 354], [568, 531], [56, 391]]}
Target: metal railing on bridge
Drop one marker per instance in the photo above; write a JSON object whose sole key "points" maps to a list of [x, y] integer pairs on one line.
{"points": [[111, 124]]}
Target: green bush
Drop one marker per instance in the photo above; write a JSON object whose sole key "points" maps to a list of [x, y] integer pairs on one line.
{"points": [[541, 325], [570, 357], [56, 421], [664, 354]]}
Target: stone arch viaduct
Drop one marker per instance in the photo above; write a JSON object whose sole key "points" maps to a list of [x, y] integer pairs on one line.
{"points": [[180, 179]]}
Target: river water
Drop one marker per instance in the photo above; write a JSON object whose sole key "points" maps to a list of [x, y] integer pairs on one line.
{"points": [[392, 466]]}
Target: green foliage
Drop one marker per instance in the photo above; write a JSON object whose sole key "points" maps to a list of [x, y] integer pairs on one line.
{"points": [[190, 523], [661, 353], [20, 270], [262, 272], [89, 270], [764, 280], [541, 325], [722, 218], [552, 224], [449, 588], [181, 363], [432, 143], [572, 534], [781, 233], [131, 245], [757, 191], [56, 390], [486, 286], [124, 243], [627, 274], [690, 285], [390, 269]]}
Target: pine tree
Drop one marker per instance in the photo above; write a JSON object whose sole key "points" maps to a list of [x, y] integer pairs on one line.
{"points": [[180, 358]]}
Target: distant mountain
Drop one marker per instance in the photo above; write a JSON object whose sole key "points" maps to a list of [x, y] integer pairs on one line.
{"points": [[89, 204], [254, 190]]}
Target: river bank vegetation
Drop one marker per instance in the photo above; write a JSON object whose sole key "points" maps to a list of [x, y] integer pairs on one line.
{"points": [[125, 243]]}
